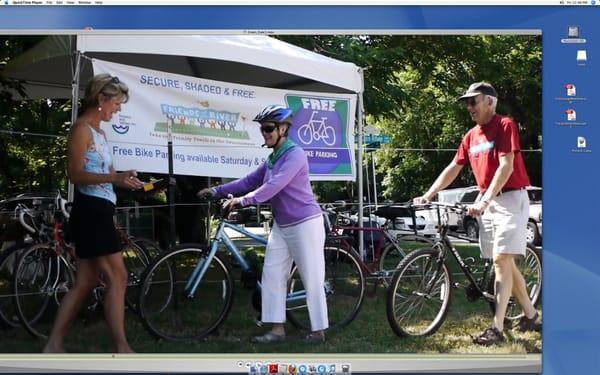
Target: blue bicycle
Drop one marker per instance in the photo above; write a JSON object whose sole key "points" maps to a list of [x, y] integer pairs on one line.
{"points": [[188, 292]]}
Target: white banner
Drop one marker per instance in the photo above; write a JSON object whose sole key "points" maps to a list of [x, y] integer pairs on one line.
{"points": [[212, 129]]}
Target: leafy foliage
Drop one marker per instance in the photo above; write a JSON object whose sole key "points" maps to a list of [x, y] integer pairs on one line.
{"points": [[30, 163], [411, 86]]}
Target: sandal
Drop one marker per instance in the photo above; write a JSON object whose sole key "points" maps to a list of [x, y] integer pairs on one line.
{"points": [[534, 324], [489, 337]]}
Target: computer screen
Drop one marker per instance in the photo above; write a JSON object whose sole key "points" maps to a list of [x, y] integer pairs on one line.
{"points": [[382, 97]]}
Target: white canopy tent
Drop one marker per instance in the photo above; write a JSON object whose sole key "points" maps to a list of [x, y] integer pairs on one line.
{"points": [[54, 67], [49, 68]]}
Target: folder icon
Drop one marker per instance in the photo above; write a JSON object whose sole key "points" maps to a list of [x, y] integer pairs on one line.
{"points": [[581, 56]]}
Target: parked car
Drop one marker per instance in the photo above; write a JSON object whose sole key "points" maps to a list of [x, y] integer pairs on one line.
{"points": [[401, 220], [248, 215], [534, 225]]}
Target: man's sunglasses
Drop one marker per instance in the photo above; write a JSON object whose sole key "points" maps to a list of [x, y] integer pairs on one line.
{"points": [[471, 101], [267, 128]]}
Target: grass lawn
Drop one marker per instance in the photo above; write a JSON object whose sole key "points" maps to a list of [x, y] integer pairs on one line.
{"points": [[369, 333]]}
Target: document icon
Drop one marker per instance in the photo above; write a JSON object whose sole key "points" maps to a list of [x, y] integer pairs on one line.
{"points": [[580, 142], [571, 91], [581, 56], [571, 115]]}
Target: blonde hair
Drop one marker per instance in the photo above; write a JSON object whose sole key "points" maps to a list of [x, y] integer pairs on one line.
{"points": [[103, 85]]}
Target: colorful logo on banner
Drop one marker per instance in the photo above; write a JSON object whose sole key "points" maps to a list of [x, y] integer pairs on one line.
{"points": [[200, 121], [321, 128], [120, 129]]}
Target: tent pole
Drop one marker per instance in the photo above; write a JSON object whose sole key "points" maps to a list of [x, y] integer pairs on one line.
{"points": [[374, 178], [74, 109], [171, 187], [361, 247]]}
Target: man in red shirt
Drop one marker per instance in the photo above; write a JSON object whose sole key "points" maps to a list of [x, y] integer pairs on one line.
{"points": [[493, 150]]}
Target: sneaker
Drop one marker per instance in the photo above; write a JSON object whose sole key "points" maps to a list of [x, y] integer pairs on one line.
{"points": [[489, 337], [534, 324], [314, 338], [268, 338]]}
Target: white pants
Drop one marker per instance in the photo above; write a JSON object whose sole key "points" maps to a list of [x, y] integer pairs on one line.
{"points": [[303, 244]]}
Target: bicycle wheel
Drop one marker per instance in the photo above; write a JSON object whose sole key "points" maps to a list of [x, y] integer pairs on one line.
{"points": [[419, 295], [531, 268], [344, 290], [388, 262], [151, 248], [136, 260], [8, 263], [40, 281], [166, 307]]}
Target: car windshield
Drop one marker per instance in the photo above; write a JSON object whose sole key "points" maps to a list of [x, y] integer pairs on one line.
{"points": [[535, 195]]}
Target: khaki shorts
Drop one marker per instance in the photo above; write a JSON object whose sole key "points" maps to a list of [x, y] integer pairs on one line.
{"points": [[503, 226]]}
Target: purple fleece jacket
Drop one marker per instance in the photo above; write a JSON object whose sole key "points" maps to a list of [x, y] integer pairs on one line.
{"points": [[286, 185]]}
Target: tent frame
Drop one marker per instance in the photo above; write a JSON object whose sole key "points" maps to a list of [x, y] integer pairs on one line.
{"points": [[75, 83]]}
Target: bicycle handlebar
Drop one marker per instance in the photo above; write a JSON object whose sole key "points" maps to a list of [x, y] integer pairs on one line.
{"points": [[22, 211], [456, 207]]}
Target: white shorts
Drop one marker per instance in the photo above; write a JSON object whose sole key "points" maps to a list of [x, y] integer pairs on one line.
{"points": [[503, 225]]}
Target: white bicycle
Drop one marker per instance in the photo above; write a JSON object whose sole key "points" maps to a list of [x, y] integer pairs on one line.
{"points": [[316, 130]]}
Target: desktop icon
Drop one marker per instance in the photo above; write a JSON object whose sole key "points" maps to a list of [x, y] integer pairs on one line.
{"points": [[573, 32], [264, 369], [581, 142], [302, 369], [273, 367], [321, 369], [581, 56], [312, 368], [283, 367], [571, 91], [253, 369], [345, 368], [332, 368], [571, 115], [292, 369]]}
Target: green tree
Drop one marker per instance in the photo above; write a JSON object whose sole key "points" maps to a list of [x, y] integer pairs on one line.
{"points": [[32, 138]]}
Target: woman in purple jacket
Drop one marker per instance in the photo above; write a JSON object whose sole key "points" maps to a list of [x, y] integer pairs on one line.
{"points": [[298, 234]]}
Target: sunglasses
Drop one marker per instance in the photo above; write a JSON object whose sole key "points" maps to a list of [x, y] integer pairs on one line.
{"points": [[471, 101], [116, 81], [267, 128]]}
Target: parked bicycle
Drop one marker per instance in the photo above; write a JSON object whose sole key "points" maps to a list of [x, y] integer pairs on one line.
{"points": [[420, 293], [383, 250], [45, 271], [188, 292]]}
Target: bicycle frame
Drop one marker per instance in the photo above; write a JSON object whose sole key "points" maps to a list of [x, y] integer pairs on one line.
{"points": [[222, 237], [444, 245]]}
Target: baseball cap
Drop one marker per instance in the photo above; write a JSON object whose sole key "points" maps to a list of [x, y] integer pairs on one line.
{"points": [[479, 88]]}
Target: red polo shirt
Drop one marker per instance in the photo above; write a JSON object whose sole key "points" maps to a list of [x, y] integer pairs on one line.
{"points": [[482, 147]]}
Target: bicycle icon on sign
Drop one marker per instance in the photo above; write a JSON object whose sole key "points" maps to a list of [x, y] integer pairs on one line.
{"points": [[316, 130]]}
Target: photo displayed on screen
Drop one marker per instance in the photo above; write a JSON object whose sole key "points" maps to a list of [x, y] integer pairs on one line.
{"points": [[418, 283]]}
